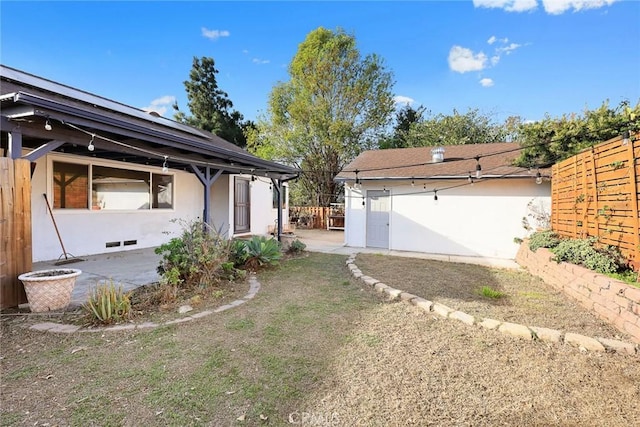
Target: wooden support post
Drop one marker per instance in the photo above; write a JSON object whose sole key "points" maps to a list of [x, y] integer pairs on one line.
{"points": [[633, 180], [207, 179]]}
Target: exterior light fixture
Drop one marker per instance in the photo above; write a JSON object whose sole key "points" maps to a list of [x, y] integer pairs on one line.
{"points": [[478, 168], [47, 125], [91, 147], [625, 137], [165, 167], [538, 178]]}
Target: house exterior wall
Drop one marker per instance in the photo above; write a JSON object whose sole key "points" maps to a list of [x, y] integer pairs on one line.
{"points": [[478, 220], [86, 232], [262, 212]]}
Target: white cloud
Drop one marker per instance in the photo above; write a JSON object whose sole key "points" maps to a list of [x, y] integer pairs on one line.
{"points": [[494, 39], [245, 51], [160, 105], [486, 82], [399, 99], [558, 7], [214, 34], [507, 49], [260, 61], [508, 5], [494, 60], [462, 60]]}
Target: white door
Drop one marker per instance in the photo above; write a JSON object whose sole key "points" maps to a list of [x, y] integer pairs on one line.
{"points": [[378, 219]]}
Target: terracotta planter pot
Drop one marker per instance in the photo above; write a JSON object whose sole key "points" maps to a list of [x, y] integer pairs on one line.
{"points": [[49, 290]]}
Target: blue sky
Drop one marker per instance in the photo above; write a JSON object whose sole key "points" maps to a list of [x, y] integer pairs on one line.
{"points": [[505, 57]]}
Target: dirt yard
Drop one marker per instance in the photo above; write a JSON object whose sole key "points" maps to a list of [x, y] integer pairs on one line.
{"points": [[314, 347]]}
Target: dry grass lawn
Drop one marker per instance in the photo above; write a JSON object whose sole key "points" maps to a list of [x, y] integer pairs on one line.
{"points": [[314, 347]]}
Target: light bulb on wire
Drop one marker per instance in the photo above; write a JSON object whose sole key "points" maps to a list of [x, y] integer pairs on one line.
{"points": [[538, 178], [478, 168], [91, 147], [165, 167], [47, 125]]}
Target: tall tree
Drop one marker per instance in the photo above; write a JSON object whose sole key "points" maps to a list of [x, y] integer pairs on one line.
{"points": [[336, 104], [472, 127], [553, 139], [405, 118], [210, 106]]}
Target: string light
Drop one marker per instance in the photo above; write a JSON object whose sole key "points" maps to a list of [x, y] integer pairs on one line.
{"points": [[625, 137], [470, 179], [435, 195], [91, 147], [165, 167], [357, 184], [413, 183], [47, 125], [538, 178], [478, 168]]}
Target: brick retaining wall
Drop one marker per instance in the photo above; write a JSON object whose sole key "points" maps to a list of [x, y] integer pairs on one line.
{"points": [[611, 299]]}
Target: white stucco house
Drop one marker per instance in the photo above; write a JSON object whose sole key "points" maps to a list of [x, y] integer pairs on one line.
{"points": [[432, 201], [116, 176]]}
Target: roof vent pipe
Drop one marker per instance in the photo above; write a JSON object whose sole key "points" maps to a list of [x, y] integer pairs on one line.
{"points": [[437, 154]]}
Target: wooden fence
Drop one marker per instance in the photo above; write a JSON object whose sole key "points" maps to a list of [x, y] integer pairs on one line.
{"points": [[596, 194], [309, 216], [15, 229]]}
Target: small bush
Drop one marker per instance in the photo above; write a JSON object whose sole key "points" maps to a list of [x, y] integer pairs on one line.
{"points": [[296, 247], [583, 252], [262, 251], [196, 257], [108, 304], [238, 252], [543, 239]]}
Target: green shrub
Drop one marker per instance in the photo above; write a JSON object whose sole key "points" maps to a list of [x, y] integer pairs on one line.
{"points": [[108, 304], [583, 252], [543, 239], [262, 251], [297, 246], [194, 258], [238, 252]]}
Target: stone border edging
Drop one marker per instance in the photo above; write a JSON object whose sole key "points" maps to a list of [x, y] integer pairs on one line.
{"points": [[254, 287], [531, 333]]}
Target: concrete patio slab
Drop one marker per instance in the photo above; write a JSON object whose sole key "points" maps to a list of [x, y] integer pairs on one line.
{"points": [[130, 269]]}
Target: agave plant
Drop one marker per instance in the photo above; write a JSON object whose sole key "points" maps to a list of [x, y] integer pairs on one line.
{"points": [[262, 251]]}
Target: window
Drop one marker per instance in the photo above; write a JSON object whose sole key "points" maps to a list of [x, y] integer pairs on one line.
{"points": [[70, 186], [119, 189], [275, 197], [162, 191], [242, 206], [111, 188]]}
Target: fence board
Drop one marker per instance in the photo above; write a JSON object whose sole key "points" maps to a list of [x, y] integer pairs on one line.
{"points": [[15, 229], [596, 194]]}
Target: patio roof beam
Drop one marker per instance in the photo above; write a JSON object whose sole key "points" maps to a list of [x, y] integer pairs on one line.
{"points": [[45, 148], [207, 178], [141, 132]]}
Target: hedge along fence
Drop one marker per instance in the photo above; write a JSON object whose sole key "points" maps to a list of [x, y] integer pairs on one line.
{"points": [[596, 194]]}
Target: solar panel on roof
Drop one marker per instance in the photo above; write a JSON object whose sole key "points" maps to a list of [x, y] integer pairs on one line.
{"points": [[92, 99]]}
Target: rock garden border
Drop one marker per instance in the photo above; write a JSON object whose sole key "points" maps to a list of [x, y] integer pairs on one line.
{"points": [[531, 333]]}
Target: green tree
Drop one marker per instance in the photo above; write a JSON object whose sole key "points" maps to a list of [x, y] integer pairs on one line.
{"points": [[211, 108], [335, 105], [472, 127], [553, 139], [405, 118]]}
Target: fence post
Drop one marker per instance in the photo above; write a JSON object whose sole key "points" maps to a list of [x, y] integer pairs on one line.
{"points": [[15, 229]]}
